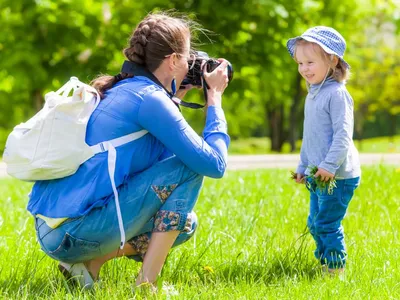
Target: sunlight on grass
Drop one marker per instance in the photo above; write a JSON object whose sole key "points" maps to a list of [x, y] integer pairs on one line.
{"points": [[252, 243], [262, 145]]}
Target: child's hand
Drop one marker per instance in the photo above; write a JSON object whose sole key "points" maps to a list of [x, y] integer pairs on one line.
{"points": [[324, 175], [299, 178]]}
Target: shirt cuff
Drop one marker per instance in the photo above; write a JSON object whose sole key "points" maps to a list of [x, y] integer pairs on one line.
{"points": [[215, 121], [301, 169], [215, 112]]}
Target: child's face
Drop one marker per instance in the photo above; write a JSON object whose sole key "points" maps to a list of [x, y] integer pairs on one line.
{"points": [[312, 65]]}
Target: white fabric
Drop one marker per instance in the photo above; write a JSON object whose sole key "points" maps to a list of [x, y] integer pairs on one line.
{"points": [[112, 158], [101, 147], [111, 161], [52, 143], [79, 273]]}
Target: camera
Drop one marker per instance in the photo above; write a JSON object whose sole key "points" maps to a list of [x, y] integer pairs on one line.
{"points": [[194, 74]]}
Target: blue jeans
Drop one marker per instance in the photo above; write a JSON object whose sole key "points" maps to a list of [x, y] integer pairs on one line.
{"points": [[325, 218], [159, 199]]}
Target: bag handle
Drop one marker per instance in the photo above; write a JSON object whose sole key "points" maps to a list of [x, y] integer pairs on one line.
{"points": [[72, 84]]}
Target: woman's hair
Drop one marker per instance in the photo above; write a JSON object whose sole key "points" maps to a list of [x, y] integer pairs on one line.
{"points": [[155, 37], [339, 72]]}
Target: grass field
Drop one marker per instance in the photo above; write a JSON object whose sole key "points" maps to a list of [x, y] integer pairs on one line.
{"points": [[251, 244], [262, 145]]}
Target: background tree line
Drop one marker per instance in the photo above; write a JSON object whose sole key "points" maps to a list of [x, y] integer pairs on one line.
{"points": [[44, 42]]}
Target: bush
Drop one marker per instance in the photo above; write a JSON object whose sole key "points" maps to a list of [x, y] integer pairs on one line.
{"points": [[3, 138]]}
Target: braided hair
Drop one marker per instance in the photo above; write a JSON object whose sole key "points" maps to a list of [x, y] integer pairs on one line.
{"points": [[155, 37]]}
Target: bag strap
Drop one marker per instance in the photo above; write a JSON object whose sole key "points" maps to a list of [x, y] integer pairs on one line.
{"points": [[73, 84], [104, 146], [111, 162]]}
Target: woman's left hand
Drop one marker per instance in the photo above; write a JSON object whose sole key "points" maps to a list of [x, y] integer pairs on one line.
{"points": [[184, 89], [324, 174]]}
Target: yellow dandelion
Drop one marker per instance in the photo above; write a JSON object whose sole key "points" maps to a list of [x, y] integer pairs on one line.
{"points": [[208, 269]]}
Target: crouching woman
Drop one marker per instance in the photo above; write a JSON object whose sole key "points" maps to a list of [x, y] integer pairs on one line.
{"points": [[82, 219]]}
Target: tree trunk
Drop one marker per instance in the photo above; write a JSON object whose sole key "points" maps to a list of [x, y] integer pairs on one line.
{"points": [[37, 100], [392, 132], [294, 113], [359, 124], [276, 132]]}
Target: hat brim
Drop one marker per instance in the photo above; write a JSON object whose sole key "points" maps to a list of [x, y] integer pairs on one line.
{"points": [[291, 44]]}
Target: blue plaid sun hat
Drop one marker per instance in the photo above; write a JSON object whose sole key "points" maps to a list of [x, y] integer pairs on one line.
{"points": [[328, 38]]}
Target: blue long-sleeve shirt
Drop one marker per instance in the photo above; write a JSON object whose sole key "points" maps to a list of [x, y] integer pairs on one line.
{"points": [[328, 131], [131, 105]]}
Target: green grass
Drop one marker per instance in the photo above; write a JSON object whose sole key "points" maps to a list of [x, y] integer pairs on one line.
{"points": [[251, 244], [262, 145]]}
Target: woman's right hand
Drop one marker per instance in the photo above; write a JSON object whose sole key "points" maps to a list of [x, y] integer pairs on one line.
{"points": [[217, 81]]}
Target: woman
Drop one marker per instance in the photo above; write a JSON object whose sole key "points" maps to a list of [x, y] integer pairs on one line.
{"points": [[158, 176]]}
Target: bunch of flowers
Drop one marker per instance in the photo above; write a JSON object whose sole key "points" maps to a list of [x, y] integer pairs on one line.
{"points": [[321, 185]]}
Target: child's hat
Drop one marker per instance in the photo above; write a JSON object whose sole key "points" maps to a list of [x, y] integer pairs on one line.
{"points": [[328, 38]]}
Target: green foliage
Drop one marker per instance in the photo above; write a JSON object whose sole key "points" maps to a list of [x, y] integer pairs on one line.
{"points": [[43, 43], [323, 186]]}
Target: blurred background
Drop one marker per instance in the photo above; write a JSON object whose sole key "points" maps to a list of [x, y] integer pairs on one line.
{"points": [[43, 43]]}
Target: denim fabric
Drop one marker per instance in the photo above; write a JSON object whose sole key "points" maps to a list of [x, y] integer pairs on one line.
{"points": [[324, 221], [97, 233]]}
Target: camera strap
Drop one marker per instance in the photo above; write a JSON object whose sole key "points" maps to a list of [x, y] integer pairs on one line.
{"points": [[130, 67]]}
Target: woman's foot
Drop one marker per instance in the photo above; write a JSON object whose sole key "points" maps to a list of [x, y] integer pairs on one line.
{"points": [[146, 288]]}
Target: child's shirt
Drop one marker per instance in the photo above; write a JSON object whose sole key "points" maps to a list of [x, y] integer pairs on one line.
{"points": [[328, 131]]}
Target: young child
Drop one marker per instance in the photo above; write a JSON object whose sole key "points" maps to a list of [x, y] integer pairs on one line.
{"points": [[327, 140]]}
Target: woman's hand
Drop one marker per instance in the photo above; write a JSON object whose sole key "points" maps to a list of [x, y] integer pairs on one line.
{"points": [[184, 89], [217, 81], [324, 174]]}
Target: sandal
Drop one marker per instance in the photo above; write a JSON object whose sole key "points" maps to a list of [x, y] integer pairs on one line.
{"points": [[78, 272]]}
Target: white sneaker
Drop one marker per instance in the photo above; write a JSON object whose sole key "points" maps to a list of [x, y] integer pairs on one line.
{"points": [[78, 272]]}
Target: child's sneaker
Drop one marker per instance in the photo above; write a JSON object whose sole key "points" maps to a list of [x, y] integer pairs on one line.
{"points": [[333, 272]]}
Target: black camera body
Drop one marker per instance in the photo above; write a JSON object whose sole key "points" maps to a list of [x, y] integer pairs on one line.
{"points": [[195, 72]]}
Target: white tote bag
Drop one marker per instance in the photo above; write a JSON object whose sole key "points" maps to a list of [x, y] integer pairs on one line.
{"points": [[52, 143]]}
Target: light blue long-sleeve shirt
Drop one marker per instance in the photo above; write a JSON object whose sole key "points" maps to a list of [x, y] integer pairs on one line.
{"points": [[328, 131], [131, 105]]}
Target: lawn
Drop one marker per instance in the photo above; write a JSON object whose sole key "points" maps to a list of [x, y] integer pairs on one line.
{"points": [[262, 145], [251, 244]]}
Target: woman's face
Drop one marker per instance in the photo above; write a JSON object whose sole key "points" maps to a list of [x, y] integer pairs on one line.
{"points": [[181, 66]]}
